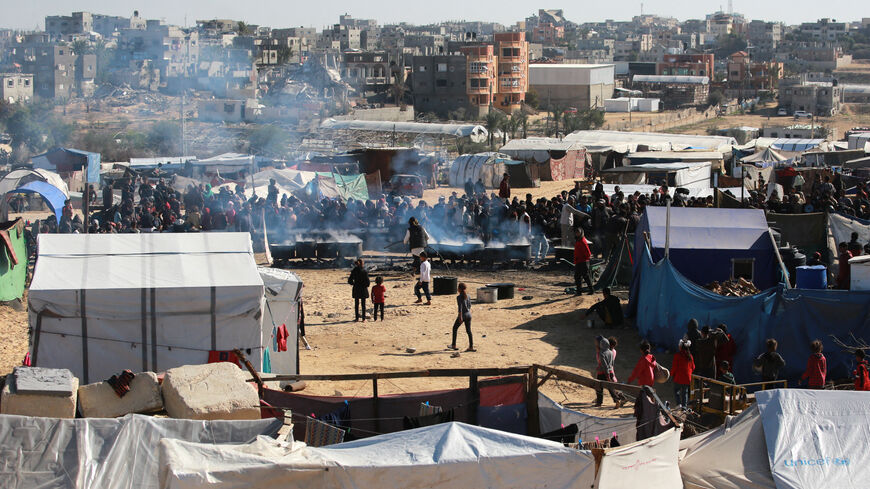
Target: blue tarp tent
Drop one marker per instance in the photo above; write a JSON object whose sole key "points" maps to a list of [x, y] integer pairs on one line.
{"points": [[62, 160], [52, 195], [665, 301], [705, 242]]}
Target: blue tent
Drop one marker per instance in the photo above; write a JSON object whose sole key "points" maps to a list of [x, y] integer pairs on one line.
{"points": [[665, 301], [63, 160], [705, 244], [52, 195]]}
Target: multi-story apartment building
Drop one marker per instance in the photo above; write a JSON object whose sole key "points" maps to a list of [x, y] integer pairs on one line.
{"points": [[497, 74], [764, 35], [825, 29], [439, 83], [57, 26], [547, 33], [367, 71], [16, 87], [687, 64], [744, 73], [820, 98]]}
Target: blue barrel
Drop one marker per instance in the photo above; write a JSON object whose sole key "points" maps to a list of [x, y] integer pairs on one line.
{"points": [[811, 277]]}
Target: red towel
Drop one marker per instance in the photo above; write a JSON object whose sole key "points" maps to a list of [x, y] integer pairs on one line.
{"points": [[282, 338], [216, 356], [7, 243]]}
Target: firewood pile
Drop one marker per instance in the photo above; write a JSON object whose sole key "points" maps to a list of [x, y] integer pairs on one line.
{"points": [[733, 288]]}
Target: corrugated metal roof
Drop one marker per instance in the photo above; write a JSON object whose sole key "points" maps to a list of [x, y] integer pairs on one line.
{"points": [[689, 80]]}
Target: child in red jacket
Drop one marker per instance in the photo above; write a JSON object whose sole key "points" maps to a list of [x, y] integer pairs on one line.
{"points": [[681, 370], [862, 380], [645, 368], [817, 367], [379, 294]]}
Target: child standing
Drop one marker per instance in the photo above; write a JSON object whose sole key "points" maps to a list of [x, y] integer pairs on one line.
{"points": [[725, 374], [862, 380], [379, 293], [645, 368], [817, 367], [682, 368], [464, 316]]}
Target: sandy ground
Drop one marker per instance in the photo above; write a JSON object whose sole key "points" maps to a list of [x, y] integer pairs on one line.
{"points": [[546, 329]]}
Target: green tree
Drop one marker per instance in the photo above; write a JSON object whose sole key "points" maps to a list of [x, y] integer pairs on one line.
{"points": [[532, 99], [715, 98], [243, 29], [164, 137], [284, 54], [81, 46], [269, 141]]}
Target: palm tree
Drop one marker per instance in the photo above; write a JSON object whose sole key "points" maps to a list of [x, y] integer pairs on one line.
{"points": [[492, 123], [520, 120]]}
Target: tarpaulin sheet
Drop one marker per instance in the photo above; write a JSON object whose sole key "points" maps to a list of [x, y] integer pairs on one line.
{"points": [[553, 416], [364, 410], [648, 463], [816, 438], [842, 227], [53, 196], [806, 231], [664, 301], [450, 455], [50, 453]]}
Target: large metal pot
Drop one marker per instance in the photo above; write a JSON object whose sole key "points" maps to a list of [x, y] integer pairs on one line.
{"points": [[519, 251], [350, 249], [444, 285], [306, 248], [505, 290]]}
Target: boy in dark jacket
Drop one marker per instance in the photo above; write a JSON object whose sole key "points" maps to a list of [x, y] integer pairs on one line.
{"points": [[770, 362]]}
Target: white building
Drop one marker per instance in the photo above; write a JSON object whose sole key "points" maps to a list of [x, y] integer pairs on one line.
{"points": [[577, 85]]}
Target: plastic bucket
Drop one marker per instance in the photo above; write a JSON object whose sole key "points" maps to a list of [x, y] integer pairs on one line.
{"points": [[487, 295]]}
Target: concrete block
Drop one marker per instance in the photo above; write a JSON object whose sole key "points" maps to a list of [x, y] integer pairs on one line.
{"points": [[43, 405], [211, 391], [100, 401], [43, 381]]}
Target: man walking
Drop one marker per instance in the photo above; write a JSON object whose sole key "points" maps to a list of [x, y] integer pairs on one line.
{"points": [[582, 255]]}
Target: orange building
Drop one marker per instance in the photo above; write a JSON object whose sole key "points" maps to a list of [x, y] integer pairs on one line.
{"points": [[498, 74]]}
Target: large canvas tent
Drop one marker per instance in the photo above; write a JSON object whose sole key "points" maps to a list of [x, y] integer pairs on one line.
{"points": [[690, 175], [555, 159], [523, 174], [102, 303], [625, 142], [790, 439], [712, 244], [117, 453], [450, 455], [488, 167]]}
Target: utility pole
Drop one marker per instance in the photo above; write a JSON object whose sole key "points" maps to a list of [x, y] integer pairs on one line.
{"points": [[183, 77]]}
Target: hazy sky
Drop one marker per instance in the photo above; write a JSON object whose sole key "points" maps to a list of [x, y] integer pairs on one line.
{"points": [[285, 13]]}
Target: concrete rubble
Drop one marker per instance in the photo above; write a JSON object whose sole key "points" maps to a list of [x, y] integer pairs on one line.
{"points": [[44, 392], [100, 401], [212, 391]]}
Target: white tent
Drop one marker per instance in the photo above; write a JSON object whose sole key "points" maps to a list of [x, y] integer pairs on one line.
{"points": [[226, 162], [116, 453], [690, 175], [101, 303], [648, 463], [288, 182], [488, 167], [17, 178], [450, 455], [553, 416], [625, 142], [283, 291], [791, 439]]}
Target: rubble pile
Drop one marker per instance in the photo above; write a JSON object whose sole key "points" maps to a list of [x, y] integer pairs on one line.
{"points": [[733, 288]]}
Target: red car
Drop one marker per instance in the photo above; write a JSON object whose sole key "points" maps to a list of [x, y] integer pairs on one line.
{"points": [[405, 185]]}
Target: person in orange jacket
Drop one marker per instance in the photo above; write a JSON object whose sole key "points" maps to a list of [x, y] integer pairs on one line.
{"points": [[582, 256], [645, 368], [862, 379]]}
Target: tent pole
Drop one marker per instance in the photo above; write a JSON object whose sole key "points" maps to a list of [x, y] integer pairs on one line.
{"points": [[668, 229]]}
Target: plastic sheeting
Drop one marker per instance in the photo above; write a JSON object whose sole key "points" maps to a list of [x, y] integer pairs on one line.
{"points": [[450, 455], [816, 438], [51, 194], [336, 186], [624, 142], [732, 456], [476, 133], [17, 178], [841, 228], [49, 453], [554, 416], [648, 463], [664, 301], [149, 301]]}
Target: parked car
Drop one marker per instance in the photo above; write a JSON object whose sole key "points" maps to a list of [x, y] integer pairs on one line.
{"points": [[405, 185], [571, 110], [802, 114], [782, 111]]}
